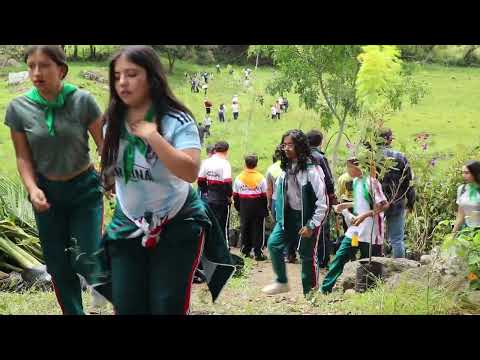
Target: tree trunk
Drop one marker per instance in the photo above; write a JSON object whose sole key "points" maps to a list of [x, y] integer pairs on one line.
{"points": [[468, 57], [171, 62], [75, 52], [336, 146], [92, 52]]}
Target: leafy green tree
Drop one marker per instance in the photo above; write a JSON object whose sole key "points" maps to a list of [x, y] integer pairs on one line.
{"points": [[201, 53], [325, 79], [173, 52]]}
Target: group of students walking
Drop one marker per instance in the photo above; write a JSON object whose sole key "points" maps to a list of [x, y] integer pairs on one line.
{"points": [[162, 230], [303, 196]]}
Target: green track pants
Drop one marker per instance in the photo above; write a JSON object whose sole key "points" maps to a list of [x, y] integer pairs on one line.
{"points": [[342, 256], [70, 234], [280, 238], [156, 280]]}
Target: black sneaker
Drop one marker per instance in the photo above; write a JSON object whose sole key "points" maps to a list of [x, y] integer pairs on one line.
{"points": [[292, 259], [260, 257]]}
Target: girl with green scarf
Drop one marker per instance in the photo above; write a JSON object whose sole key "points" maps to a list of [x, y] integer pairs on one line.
{"points": [[468, 197], [160, 230], [50, 127]]}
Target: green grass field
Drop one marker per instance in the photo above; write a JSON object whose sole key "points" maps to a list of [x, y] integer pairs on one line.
{"points": [[449, 112]]}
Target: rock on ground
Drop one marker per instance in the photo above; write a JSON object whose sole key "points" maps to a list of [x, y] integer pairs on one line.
{"points": [[391, 267]]}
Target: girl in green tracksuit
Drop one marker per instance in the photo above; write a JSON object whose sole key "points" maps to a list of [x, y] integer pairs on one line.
{"points": [[160, 228], [301, 205], [50, 127]]}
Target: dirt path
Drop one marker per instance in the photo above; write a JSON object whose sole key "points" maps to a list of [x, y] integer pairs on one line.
{"points": [[244, 295]]}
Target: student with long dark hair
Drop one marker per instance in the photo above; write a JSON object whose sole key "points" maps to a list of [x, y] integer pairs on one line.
{"points": [[50, 127], [160, 226], [468, 197], [301, 206]]}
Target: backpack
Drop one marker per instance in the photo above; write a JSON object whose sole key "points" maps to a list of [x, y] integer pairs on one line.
{"points": [[392, 178]]}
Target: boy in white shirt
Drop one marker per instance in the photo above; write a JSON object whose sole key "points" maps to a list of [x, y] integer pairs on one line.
{"points": [[208, 123], [274, 112], [365, 220], [235, 109]]}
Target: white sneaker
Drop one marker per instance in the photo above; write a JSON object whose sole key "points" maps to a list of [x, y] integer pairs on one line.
{"points": [[276, 288]]}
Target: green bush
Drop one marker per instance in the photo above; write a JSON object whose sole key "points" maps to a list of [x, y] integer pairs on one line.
{"points": [[467, 245], [435, 205]]}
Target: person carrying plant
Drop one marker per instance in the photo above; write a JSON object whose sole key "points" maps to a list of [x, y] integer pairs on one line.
{"points": [[301, 206], [50, 127], [250, 200], [468, 198], [160, 230], [365, 223]]}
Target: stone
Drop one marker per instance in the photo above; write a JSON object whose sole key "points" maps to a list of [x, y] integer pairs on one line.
{"points": [[350, 293], [12, 63], [391, 266], [17, 78], [90, 75], [425, 259], [474, 298], [3, 276]]}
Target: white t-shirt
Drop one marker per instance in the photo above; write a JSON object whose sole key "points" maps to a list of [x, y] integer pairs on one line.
{"points": [[274, 110], [471, 207], [152, 188], [361, 206], [208, 121], [235, 108]]}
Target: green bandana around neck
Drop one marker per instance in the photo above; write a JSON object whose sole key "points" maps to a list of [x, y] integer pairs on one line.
{"points": [[134, 142], [363, 183], [51, 106], [473, 191]]}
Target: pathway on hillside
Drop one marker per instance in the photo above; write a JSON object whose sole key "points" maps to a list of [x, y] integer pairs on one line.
{"points": [[244, 295]]}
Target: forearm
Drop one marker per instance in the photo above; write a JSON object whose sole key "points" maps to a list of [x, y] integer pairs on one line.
{"points": [[179, 163], [27, 174], [458, 221], [95, 130]]}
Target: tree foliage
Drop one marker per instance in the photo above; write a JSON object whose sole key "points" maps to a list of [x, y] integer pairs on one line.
{"points": [[325, 79], [202, 54]]}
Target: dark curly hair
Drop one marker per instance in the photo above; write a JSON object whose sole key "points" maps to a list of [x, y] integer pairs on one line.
{"points": [[302, 149], [474, 168]]}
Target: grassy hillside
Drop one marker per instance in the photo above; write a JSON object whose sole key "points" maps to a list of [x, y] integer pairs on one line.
{"points": [[449, 112]]}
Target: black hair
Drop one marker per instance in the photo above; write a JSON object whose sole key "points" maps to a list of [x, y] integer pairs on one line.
{"points": [[210, 149], [251, 161], [474, 167], [315, 138], [221, 146], [162, 97], [384, 136], [353, 161], [277, 155], [54, 52], [302, 149]]}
